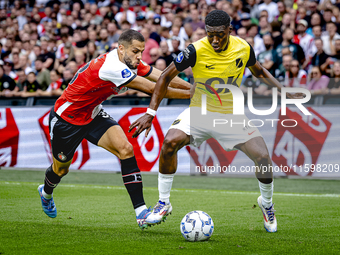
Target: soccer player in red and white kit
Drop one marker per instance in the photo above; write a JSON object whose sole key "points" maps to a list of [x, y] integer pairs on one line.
{"points": [[78, 114]]}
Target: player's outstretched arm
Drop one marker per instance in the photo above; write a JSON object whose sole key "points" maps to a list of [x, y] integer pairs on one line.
{"points": [[262, 73], [144, 122], [146, 86], [177, 82]]}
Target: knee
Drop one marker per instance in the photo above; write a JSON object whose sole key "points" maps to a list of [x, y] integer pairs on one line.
{"points": [[169, 147], [61, 170], [263, 159], [126, 151]]}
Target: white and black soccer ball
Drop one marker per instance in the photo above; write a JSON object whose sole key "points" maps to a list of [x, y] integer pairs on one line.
{"points": [[197, 226]]}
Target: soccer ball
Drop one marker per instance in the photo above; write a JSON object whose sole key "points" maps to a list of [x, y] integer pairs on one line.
{"points": [[197, 226]]}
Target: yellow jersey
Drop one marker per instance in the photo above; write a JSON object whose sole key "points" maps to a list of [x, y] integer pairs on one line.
{"points": [[211, 68]]}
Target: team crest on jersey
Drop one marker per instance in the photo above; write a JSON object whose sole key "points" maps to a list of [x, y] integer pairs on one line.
{"points": [[6, 85], [179, 57], [61, 156], [126, 73], [176, 122], [239, 63]]}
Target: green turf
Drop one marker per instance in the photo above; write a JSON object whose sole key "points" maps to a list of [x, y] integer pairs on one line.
{"points": [[95, 216]]}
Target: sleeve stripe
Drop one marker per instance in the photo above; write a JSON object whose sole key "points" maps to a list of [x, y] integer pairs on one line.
{"points": [[128, 81], [150, 71]]}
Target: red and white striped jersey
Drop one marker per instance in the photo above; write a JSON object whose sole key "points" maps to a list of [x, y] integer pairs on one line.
{"points": [[55, 85], [98, 80], [307, 44]]}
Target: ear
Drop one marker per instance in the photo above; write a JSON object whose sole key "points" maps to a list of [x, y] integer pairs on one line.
{"points": [[231, 28], [121, 49]]}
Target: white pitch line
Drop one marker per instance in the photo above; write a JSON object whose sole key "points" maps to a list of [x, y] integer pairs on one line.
{"points": [[180, 190]]}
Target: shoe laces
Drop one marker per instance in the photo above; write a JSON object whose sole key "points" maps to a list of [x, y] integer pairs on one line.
{"points": [[158, 207], [270, 213]]}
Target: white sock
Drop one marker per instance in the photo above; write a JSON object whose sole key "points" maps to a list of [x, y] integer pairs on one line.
{"points": [[138, 210], [266, 193], [45, 195], [164, 186]]}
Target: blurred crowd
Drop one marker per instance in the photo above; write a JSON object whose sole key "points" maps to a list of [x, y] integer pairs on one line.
{"points": [[43, 43]]}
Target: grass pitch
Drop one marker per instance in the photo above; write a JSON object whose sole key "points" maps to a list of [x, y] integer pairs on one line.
{"points": [[95, 216]]}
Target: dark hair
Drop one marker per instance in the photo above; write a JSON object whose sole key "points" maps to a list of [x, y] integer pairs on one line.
{"points": [[128, 36], [40, 58], [217, 18]]}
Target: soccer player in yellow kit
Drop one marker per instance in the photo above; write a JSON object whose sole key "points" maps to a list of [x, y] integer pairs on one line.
{"points": [[218, 58]]}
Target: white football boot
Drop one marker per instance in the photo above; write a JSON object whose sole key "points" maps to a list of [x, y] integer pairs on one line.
{"points": [[270, 223], [159, 213]]}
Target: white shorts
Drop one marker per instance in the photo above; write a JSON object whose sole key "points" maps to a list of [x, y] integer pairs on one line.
{"points": [[227, 129]]}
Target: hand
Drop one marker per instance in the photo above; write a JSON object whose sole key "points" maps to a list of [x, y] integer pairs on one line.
{"points": [[142, 123], [296, 95]]}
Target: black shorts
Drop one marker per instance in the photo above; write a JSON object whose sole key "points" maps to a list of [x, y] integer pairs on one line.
{"points": [[66, 137]]}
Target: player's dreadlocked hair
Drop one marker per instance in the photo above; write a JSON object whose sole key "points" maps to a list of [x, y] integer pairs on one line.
{"points": [[128, 36], [217, 18]]}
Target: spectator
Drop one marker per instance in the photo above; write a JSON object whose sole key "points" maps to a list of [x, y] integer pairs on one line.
{"points": [[104, 43], [149, 44], [80, 59], [282, 11], [271, 8], [320, 58], [317, 31], [31, 86], [281, 73], [266, 58], [43, 74], [54, 89], [295, 77], [245, 20], [264, 26], [165, 53], [46, 55], [92, 52], [315, 21], [125, 14], [160, 64], [254, 9], [113, 34], [252, 31], [333, 87], [329, 39], [67, 77], [306, 42], [296, 49], [7, 84], [23, 62], [175, 42], [8, 69], [318, 81], [154, 55], [195, 20], [242, 33], [22, 76]]}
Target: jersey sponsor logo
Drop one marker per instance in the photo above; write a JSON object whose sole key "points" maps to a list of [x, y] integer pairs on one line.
{"points": [[126, 73], [61, 156], [180, 57], [210, 66], [176, 122], [239, 63], [9, 138]]}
